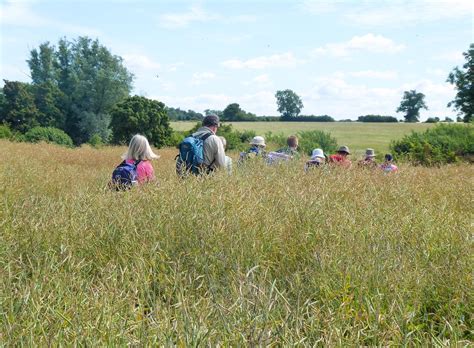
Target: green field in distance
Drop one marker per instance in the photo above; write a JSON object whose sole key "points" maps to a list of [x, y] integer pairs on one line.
{"points": [[357, 136]]}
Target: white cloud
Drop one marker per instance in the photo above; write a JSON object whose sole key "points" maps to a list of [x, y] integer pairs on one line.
{"points": [[201, 78], [20, 13], [262, 80], [274, 61], [369, 42], [184, 19], [452, 57], [376, 74], [318, 6], [16, 13], [140, 62], [403, 12], [262, 102], [174, 67], [336, 97]]}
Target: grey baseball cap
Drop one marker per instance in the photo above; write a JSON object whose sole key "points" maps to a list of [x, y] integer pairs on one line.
{"points": [[210, 120]]}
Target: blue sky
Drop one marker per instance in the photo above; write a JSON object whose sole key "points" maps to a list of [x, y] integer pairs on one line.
{"points": [[344, 58]]}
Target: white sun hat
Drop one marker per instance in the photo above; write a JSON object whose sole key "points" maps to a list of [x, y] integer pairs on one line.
{"points": [[258, 140], [317, 153]]}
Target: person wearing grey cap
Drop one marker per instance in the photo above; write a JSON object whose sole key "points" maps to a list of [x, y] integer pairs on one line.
{"points": [[369, 159], [340, 158], [213, 149]]}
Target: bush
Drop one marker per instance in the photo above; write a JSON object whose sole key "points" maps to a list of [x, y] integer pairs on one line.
{"points": [[143, 116], [309, 140], [439, 145], [175, 138], [96, 141], [236, 140], [377, 118], [5, 132], [49, 135]]}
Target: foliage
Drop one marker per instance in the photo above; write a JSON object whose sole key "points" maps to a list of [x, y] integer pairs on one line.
{"points": [[236, 140], [411, 104], [310, 118], [289, 103], [265, 257], [182, 115], [439, 145], [5, 132], [448, 119], [140, 115], [376, 118], [208, 112], [234, 113], [49, 135], [19, 110], [96, 141], [309, 140], [463, 79], [77, 84], [432, 120]]}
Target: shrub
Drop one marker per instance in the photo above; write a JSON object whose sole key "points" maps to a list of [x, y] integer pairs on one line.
{"points": [[439, 145], [140, 115], [5, 132], [49, 135], [236, 140], [96, 141], [377, 118], [309, 140]]}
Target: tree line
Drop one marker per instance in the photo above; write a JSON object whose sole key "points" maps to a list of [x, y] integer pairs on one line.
{"points": [[82, 89]]}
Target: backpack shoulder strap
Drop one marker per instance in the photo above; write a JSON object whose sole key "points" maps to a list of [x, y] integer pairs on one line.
{"points": [[137, 162]]}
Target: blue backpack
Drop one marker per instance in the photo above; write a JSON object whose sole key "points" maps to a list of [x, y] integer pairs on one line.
{"points": [[191, 155], [125, 176]]}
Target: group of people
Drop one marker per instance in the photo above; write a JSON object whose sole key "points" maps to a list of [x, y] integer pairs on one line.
{"points": [[139, 153]]}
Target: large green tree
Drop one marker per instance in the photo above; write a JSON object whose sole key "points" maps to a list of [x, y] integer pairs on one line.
{"points": [[289, 103], [233, 112], [19, 110], [140, 115], [411, 104], [463, 80], [83, 80]]}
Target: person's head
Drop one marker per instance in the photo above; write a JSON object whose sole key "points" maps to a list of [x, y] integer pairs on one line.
{"points": [[211, 122], [369, 154], [292, 141], [388, 157], [344, 151], [258, 141], [224, 142], [139, 149], [318, 155]]}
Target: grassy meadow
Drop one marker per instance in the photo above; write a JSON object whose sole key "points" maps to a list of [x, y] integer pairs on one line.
{"points": [[266, 256], [358, 136]]}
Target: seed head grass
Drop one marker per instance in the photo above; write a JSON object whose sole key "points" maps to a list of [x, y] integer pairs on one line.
{"points": [[266, 256]]}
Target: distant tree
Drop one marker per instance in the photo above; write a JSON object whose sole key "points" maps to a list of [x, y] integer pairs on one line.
{"points": [[463, 79], [176, 114], [140, 115], [19, 111], [448, 119], [289, 103], [411, 104], [82, 81], [376, 118], [208, 112], [233, 112], [459, 119], [432, 120]]}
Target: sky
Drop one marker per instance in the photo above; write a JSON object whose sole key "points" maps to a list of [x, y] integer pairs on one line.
{"points": [[343, 58]]}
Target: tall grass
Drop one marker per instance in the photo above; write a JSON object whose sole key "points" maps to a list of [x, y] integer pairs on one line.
{"points": [[267, 256]]}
